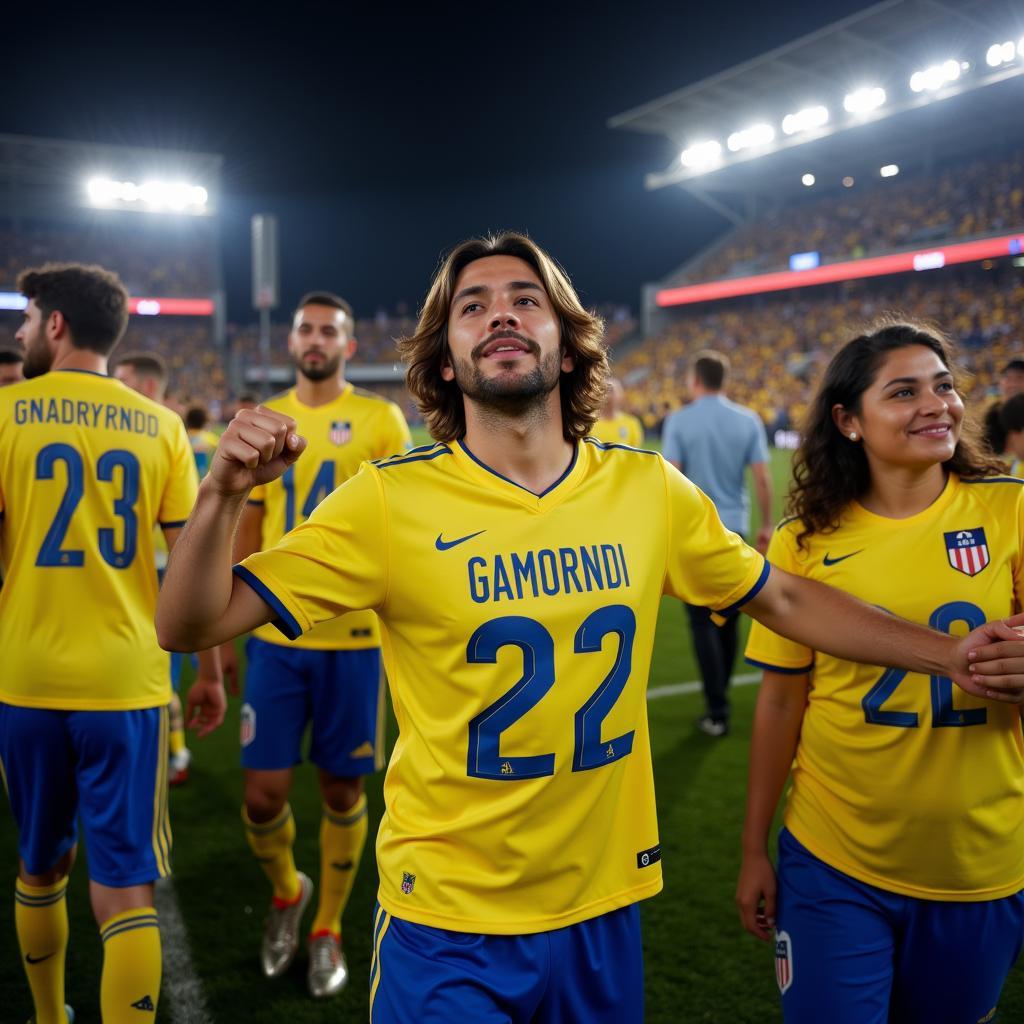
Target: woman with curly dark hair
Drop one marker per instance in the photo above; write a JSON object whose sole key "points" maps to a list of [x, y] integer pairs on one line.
{"points": [[901, 861]]}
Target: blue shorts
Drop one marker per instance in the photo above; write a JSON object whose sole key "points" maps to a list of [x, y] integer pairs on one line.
{"points": [[592, 971], [110, 768], [340, 692], [849, 953]]}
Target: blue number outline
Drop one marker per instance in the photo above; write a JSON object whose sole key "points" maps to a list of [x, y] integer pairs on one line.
{"points": [[323, 484], [124, 506], [590, 750], [50, 552]]}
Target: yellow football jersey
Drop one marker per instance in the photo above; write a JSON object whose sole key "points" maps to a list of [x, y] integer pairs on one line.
{"points": [[621, 429], [87, 467], [902, 781], [517, 635], [357, 427]]}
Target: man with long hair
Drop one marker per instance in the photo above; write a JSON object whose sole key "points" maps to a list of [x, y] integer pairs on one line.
{"points": [[517, 567], [87, 468]]}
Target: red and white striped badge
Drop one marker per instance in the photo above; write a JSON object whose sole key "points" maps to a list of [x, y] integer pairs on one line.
{"points": [[783, 961], [967, 550]]}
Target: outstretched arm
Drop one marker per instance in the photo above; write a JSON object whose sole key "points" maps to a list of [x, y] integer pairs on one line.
{"points": [[202, 603], [988, 662]]}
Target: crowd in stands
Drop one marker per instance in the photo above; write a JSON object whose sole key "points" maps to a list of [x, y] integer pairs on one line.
{"points": [[965, 200], [778, 344], [168, 259]]}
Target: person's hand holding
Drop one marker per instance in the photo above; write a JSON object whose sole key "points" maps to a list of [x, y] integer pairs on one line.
{"points": [[756, 894]]}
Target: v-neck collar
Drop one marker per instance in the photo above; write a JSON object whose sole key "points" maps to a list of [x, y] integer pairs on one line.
{"points": [[491, 478]]}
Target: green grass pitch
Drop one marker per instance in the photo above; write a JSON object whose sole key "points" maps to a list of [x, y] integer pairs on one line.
{"points": [[700, 966]]}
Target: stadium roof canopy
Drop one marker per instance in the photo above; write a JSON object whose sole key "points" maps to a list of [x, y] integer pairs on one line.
{"points": [[971, 104], [50, 176]]}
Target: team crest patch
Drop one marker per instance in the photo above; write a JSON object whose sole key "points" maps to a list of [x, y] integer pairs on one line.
{"points": [[408, 883], [340, 432], [247, 725], [783, 961], [967, 550]]}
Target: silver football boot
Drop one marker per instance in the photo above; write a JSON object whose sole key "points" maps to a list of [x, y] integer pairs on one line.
{"points": [[281, 932], [328, 969]]}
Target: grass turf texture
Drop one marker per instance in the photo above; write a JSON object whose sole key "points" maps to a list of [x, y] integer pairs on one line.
{"points": [[700, 966]]}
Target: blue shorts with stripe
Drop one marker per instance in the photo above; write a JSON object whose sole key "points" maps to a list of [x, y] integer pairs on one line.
{"points": [[850, 953], [339, 692], [107, 767], [590, 971]]}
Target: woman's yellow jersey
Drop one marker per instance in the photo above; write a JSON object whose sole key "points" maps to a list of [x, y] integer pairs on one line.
{"points": [[900, 780], [517, 632]]}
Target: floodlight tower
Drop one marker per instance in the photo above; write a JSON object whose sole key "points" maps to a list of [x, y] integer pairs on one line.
{"points": [[265, 284]]}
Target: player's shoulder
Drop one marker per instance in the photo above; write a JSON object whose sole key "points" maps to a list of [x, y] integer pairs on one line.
{"points": [[420, 456], [365, 394], [617, 450], [996, 492], [281, 401]]}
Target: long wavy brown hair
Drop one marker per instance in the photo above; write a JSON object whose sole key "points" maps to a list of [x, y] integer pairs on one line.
{"points": [[582, 336], [829, 470]]}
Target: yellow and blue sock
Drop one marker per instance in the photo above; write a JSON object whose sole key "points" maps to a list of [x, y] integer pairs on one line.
{"points": [[342, 839], [41, 921], [130, 984], [272, 843]]}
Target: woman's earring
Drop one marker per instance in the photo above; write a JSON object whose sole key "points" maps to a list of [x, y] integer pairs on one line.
{"points": [[853, 436]]}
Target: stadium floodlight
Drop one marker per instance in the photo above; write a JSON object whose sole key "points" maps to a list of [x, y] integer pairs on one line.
{"points": [[701, 155], [808, 179], [863, 101], [804, 120], [935, 77], [755, 135], [156, 196], [1003, 53], [848, 181], [889, 170]]}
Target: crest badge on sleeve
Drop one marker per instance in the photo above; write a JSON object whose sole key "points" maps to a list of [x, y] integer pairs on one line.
{"points": [[967, 550]]}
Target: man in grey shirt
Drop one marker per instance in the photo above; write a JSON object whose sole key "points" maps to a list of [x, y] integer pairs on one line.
{"points": [[713, 440]]}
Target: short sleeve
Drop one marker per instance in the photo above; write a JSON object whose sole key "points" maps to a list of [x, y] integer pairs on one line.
{"points": [[258, 495], [766, 649], [182, 481], [758, 442], [334, 562], [708, 565], [395, 437], [672, 446]]}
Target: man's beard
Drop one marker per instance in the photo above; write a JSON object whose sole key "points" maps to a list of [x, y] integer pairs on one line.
{"points": [[510, 393], [38, 357], [327, 369]]}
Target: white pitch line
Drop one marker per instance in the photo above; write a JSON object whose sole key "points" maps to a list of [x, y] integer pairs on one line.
{"points": [[695, 686], [181, 987]]}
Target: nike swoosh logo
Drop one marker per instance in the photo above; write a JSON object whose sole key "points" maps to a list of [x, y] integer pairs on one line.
{"points": [[444, 545], [842, 558], [30, 959]]}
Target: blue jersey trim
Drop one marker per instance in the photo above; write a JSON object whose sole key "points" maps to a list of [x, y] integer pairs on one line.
{"points": [[786, 521], [779, 668], [255, 501], [547, 490], [173, 524], [402, 460], [92, 373], [752, 592], [607, 446], [994, 480], [285, 621]]}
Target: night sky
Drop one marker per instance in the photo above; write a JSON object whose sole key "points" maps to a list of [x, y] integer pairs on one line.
{"points": [[380, 137]]}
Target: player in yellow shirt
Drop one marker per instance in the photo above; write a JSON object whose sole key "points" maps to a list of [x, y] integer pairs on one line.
{"points": [[901, 864], [87, 467], [330, 679], [517, 603], [615, 425]]}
